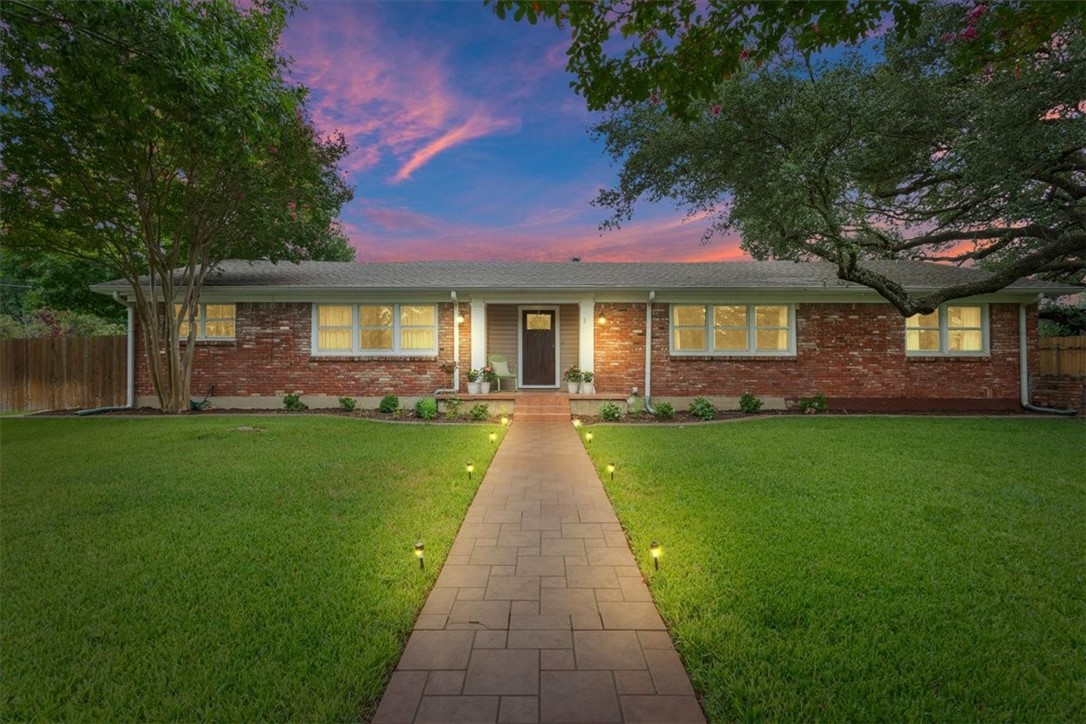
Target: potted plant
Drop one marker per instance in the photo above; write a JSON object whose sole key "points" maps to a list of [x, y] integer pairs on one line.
{"points": [[473, 382], [587, 386], [573, 379], [490, 377]]}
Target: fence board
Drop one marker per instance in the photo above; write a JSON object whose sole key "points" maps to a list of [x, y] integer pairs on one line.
{"points": [[1063, 355], [60, 373]]}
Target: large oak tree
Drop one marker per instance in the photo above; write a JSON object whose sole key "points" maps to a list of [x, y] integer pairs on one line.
{"points": [[161, 138]]}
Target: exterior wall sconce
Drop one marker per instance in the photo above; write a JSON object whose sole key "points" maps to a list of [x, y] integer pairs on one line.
{"points": [[460, 319], [420, 553], [654, 550], [611, 470], [602, 320], [470, 467], [588, 437]]}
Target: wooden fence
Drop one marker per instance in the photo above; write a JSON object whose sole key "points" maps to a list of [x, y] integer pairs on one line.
{"points": [[1063, 355], [60, 373]]}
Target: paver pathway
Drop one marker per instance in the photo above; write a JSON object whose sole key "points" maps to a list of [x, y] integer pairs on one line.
{"points": [[540, 613]]}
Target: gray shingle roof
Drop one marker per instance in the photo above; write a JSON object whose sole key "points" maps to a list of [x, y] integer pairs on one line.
{"points": [[512, 276]]}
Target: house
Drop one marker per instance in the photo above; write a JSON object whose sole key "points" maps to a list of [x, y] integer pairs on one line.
{"points": [[778, 329]]}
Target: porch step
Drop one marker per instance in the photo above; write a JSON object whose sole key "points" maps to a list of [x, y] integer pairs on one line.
{"points": [[541, 408]]}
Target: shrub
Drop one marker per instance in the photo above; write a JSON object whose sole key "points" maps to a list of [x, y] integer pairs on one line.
{"points": [[587, 376], [702, 408], [389, 404], [665, 411], [749, 403], [610, 411], [480, 411], [812, 405], [573, 374], [293, 402], [452, 407], [426, 408], [347, 404]]}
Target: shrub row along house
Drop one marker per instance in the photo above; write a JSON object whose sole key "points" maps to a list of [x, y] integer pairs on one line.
{"points": [[780, 330]]}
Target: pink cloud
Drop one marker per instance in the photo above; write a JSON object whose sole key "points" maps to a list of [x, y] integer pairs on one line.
{"points": [[475, 127], [400, 220]]}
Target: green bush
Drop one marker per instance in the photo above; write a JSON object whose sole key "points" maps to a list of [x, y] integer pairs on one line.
{"points": [[610, 411], [389, 404], [452, 407], [812, 405], [293, 402], [702, 408], [480, 412], [426, 408], [749, 403], [665, 411], [347, 404]]}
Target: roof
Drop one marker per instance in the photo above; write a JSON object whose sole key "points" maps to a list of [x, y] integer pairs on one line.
{"points": [[324, 276]]}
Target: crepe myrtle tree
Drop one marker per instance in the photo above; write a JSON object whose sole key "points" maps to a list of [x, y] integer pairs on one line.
{"points": [[161, 138], [908, 157]]}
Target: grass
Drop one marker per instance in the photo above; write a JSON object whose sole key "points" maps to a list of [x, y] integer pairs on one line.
{"points": [[875, 569], [201, 569]]}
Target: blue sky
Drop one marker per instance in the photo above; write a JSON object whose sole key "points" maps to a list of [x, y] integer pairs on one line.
{"points": [[467, 142]]}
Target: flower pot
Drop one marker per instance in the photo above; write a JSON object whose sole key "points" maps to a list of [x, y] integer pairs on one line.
{"points": [[485, 388], [588, 388], [473, 388], [572, 387]]}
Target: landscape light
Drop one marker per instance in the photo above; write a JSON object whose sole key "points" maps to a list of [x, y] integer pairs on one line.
{"points": [[654, 549], [577, 422], [588, 437], [611, 469], [505, 420], [493, 437], [470, 467], [420, 554]]}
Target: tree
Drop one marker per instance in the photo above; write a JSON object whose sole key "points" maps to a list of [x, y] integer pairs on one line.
{"points": [[675, 52], [161, 138], [31, 279], [907, 157]]}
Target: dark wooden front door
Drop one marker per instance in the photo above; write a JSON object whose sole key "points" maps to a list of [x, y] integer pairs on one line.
{"points": [[537, 367]]}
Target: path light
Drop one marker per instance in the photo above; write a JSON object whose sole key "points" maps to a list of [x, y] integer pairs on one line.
{"points": [[505, 420], [654, 550], [493, 437], [470, 467], [588, 437], [420, 553], [611, 469], [577, 422]]}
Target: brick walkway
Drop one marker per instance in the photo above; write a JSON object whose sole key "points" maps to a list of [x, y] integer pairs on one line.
{"points": [[540, 613]]}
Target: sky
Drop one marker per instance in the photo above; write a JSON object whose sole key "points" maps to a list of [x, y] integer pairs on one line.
{"points": [[467, 142]]}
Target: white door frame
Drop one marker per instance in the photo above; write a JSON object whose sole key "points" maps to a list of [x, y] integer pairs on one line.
{"points": [[557, 343]]}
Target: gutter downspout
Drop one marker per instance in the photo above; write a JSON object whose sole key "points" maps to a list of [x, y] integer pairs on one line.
{"points": [[1023, 383], [648, 354], [456, 349], [130, 356]]}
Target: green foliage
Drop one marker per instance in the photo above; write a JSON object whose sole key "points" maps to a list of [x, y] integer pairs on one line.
{"points": [[1062, 320], [193, 144], [573, 374], [664, 411], [854, 172], [426, 408], [587, 376], [389, 404], [118, 578], [480, 411], [813, 405], [474, 375], [52, 323], [610, 411], [348, 404], [783, 538], [293, 402], [702, 408], [31, 280], [452, 407], [750, 404]]}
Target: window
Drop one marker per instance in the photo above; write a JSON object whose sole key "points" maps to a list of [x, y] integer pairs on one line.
{"points": [[375, 329], [732, 329], [956, 329], [213, 321]]}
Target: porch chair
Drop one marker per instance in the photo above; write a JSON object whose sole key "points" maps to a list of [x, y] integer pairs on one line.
{"points": [[506, 373]]}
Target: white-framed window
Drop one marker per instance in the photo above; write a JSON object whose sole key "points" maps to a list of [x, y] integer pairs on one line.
{"points": [[375, 329], [952, 329], [213, 321], [733, 329]]}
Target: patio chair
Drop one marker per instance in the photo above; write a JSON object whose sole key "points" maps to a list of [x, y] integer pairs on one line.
{"points": [[507, 374]]}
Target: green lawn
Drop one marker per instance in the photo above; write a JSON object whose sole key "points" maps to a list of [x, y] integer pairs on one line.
{"points": [[871, 569], [185, 569]]}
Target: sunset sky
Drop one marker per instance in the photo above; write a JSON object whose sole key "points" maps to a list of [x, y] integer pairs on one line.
{"points": [[466, 141]]}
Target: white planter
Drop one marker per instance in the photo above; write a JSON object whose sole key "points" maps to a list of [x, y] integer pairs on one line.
{"points": [[572, 387], [485, 388], [588, 388], [473, 388]]}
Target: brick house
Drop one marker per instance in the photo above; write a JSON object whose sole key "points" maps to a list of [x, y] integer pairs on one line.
{"points": [[780, 330]]}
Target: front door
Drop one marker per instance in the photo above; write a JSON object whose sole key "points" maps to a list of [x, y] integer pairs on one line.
{"points": [[537, 366]]}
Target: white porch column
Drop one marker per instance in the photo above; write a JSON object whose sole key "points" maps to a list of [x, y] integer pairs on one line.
{"points": [[478, 334], [586, 354]]}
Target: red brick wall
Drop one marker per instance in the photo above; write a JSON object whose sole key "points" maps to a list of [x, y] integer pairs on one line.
{"points": [[1061, 392], [270, 357], [852, 353]]}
